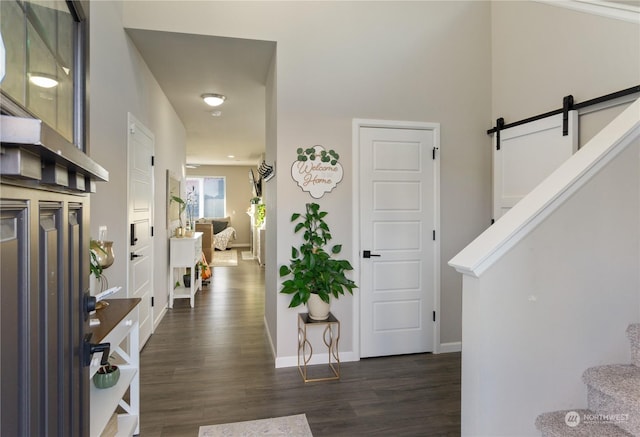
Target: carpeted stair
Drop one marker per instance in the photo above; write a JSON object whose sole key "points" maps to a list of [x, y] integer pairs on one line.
{"points": [[613, 397]]}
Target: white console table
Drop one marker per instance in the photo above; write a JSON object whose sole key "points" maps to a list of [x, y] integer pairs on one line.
{"points": [[185, 252], [119, 327]]}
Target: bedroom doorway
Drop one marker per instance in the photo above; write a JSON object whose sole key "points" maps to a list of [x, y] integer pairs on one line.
{"points": [[398, 186]]}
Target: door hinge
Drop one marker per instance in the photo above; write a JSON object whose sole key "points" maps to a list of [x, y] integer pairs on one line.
{"points": [[434, 235], [152, 231], [152, 301], [433, 152], [434, 316], [153, 160], [493, 221]]}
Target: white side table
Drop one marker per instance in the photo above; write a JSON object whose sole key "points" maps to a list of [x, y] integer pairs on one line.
{"points": [[184, 252]]}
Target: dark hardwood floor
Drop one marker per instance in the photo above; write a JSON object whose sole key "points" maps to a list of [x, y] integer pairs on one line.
{"points": [[212, 364]]}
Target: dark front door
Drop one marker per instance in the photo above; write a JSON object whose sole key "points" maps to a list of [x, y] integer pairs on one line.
{"points": [[45, 179], [44, 262]]}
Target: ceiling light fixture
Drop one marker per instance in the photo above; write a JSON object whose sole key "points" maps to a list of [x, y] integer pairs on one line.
{"points": [[43, 80], [214, 99]]}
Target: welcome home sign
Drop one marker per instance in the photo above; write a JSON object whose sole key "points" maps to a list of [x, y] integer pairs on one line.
{"points": [[317, 171]]}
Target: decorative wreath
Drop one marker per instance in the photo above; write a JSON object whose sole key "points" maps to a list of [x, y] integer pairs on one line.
{"points": [[311, 154]]}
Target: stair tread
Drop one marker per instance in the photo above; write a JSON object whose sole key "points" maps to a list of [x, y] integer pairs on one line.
{"points": [[553, 424], [621, 381]]}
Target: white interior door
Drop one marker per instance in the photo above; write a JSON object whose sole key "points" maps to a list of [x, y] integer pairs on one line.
{"points": [[141, 149], [528, 154], [398, 225]]}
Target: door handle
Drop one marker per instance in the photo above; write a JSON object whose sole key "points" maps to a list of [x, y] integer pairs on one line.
{"points": [[134, 240], [89, 304], [91, 348], [133, 256], [368, 254]]}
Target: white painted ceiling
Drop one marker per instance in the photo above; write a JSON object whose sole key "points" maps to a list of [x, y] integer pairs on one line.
{"points": [[186, 66]]}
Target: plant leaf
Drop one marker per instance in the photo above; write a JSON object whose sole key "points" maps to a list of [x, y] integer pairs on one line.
{"points": [[284, 270]]}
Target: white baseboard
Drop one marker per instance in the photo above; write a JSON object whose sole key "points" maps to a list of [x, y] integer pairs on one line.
{"points": [[315, 359], [445, 348], [266, 328]]}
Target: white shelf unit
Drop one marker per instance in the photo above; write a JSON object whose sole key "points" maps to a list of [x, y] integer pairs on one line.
{"points": [[124, 339], [185, 252]]}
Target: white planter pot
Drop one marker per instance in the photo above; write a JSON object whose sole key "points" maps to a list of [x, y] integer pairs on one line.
{"points": [[318, 309]]}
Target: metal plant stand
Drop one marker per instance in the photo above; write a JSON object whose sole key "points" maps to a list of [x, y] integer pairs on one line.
{"points": [[330, 336]]}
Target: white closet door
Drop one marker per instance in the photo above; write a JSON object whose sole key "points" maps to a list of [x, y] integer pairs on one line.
{"points": [[528, 154]]}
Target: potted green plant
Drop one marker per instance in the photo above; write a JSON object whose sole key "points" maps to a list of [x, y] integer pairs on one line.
{"points": [[261, 212], [316, 275]]}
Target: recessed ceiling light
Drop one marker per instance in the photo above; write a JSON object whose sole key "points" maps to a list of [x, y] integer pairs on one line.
{"points": [[231, 156], [43, 80], [214, 99]]}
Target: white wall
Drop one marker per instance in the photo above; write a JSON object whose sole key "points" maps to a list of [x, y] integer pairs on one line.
{"points": [[556, 304], [270, 197], [561, 300], [336, 61], [541, 53], [121, 83]]}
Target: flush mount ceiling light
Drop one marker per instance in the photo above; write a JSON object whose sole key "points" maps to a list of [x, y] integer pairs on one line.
{"points": [[42, 80], [214, 99]]}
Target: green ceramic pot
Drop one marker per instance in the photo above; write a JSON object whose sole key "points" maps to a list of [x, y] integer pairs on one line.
{"points": [[106, 376]]}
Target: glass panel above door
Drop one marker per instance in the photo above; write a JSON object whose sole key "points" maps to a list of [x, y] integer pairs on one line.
{"points": [[39, 40]]}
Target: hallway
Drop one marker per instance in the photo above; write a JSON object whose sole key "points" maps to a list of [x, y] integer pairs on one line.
{"points": [[213, 364]]}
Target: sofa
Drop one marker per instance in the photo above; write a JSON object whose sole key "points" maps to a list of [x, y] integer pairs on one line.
{"points": [[216, 234]]}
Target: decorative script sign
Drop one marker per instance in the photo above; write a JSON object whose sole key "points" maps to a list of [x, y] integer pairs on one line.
{"points": [[317, 170]]}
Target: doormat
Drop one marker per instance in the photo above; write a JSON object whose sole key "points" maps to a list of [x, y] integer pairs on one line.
{"points": [[276, 426], [225, 258]]}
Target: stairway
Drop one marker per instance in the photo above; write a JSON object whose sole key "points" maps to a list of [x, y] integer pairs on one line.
{"points": [[613, 398]]}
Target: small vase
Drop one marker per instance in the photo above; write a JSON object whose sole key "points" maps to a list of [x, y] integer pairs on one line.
{"points": [[103, 251], [106, 376], [318, 309]]}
